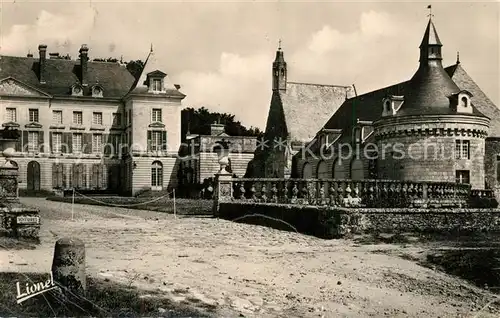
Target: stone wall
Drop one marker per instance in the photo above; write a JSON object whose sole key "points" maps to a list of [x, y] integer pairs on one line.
{"points": [[328, 223], [492, 173]]}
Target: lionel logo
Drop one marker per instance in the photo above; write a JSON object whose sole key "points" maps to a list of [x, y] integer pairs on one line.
{"points": [[34, 289]]}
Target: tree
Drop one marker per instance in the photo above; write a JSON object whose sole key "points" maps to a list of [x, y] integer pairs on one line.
{"points": [[135, 67], [198, 121]]}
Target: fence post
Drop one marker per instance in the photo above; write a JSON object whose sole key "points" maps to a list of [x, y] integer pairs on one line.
{"points": [[68, 265]]}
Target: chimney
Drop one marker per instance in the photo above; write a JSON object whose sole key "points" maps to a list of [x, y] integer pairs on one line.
{"points": [[84, 57], [216, 129], [42, 50]]}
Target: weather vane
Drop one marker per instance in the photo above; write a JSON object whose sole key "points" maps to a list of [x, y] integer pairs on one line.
{"points": [[430, 15]]}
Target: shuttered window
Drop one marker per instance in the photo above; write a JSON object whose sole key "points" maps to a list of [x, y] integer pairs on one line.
{"points": [[77, 143], [33, 141]]}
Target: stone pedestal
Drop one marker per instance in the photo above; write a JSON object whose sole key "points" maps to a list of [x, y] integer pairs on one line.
{"points": [[18, 220], [223, 191]]}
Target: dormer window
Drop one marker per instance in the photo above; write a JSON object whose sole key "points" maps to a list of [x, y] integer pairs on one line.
{"points": [[465, 101], [387, 105], [76, 90], [97, 91], [156, 83], [461, 102]]}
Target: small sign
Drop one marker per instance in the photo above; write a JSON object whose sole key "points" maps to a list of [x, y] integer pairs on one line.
{"points": [[28, 220]]}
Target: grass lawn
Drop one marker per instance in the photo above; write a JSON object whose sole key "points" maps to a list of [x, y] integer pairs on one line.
{"points": [[166, 205], [103, 299]]}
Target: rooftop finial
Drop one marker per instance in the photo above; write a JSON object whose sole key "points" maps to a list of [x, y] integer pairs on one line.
{"points": [[151, 50], [430, 15], [458, 57], [279, 45]]}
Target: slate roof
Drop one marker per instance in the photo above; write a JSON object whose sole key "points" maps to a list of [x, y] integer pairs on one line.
{"points": [[151, 66], [307, 106], [430, 36], [61, 74], [369, 106]]}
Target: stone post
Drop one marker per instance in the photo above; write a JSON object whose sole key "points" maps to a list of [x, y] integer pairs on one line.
{"points": [[68, 266], [223, 190]]}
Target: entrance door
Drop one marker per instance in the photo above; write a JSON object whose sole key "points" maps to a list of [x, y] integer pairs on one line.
{"points": [[156, 176], [33, 176]]}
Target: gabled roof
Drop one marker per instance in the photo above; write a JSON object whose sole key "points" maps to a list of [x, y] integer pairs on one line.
{"points": [[307, 106], [478, 99], [61, 74], [368, 106]]}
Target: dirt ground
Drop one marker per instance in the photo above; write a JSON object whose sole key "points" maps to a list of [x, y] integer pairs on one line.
{"points": [[249, 270]]}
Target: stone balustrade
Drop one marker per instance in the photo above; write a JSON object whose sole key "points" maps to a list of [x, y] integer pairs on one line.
{"points": [[348, 193]]}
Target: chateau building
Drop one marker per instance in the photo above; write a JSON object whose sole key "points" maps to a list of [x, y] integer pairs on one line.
{"points": [[200, 157], [91, 125], [438, 126], [297, 112]]}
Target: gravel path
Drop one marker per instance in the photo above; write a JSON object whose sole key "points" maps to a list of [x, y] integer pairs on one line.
{"points": [[253, 270]]}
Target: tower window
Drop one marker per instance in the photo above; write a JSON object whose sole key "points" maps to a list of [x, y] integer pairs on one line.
{"points": [[282, 72], [462, 176], [462, 148]]}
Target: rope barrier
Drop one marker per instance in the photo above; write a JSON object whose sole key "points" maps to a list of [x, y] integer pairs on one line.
{"points": [[124, 205]]}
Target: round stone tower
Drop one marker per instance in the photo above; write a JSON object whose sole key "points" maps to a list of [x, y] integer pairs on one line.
{"points": [[432, 132]]}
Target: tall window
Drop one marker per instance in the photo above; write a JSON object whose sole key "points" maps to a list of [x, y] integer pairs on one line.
{"points": [[462, 176], [33, 115], [156, 141], [78, 176], [462, 149], [156, 175], [56, 142], [10, 115], [117, 119], [33, 141], [96, 143], [97, 118], [156, 115], [129, 116], [126, 117], [58, 175], [97, 178], [77, 143], [77, 118], [157, 85], [57, 117]]}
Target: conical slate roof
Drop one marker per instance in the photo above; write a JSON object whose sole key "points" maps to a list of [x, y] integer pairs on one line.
{"points": [[430, 36], [430, 87]]}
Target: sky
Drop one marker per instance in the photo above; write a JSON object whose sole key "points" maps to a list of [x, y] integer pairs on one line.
{"points": [[221, 52]]}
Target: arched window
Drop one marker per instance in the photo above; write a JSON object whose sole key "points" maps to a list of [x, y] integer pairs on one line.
{"points": [[465, 102], [307, 171], [156, 176], [357, 170], [322, 171], [339, 170]]}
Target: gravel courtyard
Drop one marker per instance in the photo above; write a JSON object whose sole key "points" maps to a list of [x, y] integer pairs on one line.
{"points": [[249, 270]]}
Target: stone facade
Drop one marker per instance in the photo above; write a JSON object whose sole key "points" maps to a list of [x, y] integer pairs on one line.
{"points": [[438, 111], [91, 125], [425, 148]]}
